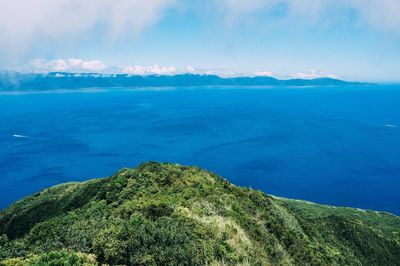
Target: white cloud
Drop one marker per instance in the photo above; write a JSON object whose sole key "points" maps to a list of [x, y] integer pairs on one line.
{"points": [[222, 72], [171, 70], [190, 69], [149, 70], [92, 65], [79, 66], [312, 74], [70, 65], [23, 23], [264, 74], [383, 15], [58, 75]]}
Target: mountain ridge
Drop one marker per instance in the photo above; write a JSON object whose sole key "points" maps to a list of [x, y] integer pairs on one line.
{"points": [[168, 214], [63, 80]]}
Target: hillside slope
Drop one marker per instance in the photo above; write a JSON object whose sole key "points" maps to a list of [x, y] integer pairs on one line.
{"points": [[167, 214]]}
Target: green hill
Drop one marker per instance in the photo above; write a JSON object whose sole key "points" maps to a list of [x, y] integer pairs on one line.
{"points": [[167, 214], [14, 81]]}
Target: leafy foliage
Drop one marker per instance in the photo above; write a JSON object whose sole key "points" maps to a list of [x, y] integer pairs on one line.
{"points": [[167, 214], [53, 258]]}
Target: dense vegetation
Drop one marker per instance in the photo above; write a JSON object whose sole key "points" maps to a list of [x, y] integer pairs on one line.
{"points": [[60, 80], [166, 214]]}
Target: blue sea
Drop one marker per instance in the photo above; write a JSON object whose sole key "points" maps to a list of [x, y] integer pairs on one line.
{"points": [[338, 146]]}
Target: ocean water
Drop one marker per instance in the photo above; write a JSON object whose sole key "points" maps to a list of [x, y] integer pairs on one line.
{"points": [[338, 146]]}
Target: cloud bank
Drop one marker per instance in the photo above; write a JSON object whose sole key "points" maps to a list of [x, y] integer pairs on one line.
{"points": [[149, 70], [70, 65], [312, 74], [382, 15], [77, 65], [25, 22]]}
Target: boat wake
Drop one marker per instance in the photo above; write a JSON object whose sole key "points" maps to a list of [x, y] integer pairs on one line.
{"points": [[21, 136]]}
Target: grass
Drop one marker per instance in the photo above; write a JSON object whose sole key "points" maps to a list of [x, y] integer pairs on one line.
{"points": [[167, 214]]}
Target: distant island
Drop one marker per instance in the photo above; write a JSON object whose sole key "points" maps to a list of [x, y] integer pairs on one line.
{"points": [[11, 81], [168, 214]]}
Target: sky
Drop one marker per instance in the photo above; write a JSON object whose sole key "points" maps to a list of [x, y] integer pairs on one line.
{"points": [[347, 39]]}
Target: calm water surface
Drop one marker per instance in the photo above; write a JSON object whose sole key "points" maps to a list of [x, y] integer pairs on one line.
{"points": [[338, 146]]}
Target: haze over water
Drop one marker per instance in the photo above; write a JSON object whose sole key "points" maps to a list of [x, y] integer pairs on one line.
{"points": [[338, 146]]}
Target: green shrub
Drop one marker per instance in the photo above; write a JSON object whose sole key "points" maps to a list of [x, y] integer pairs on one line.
{"points": [[166, 214]]}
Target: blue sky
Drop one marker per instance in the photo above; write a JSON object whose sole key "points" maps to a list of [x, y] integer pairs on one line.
{"points": [[348, 39]]}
